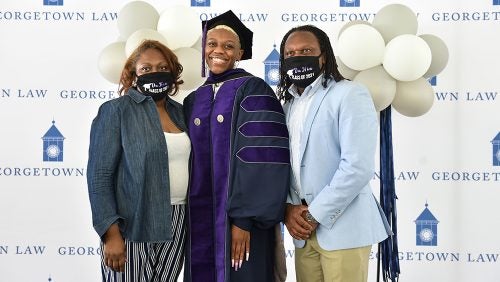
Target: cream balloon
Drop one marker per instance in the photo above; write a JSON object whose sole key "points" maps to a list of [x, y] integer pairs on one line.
{"points": [[381, 85], [180, 25], [439, 53], [136, 15], [407, 57], [361, 47], [190, 60], [395, 19], [139, 36], [413, 98], [344, 70], [111, 61]]}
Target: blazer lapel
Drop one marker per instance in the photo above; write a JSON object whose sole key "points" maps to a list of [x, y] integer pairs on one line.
{"points": [[311, 115]]}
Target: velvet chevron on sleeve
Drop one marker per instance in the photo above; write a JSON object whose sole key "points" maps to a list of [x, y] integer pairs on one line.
{"points": [[260, 157]]}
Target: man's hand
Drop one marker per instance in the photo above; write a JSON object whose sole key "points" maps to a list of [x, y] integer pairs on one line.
{"points": [[310, 219], [295, 222]]}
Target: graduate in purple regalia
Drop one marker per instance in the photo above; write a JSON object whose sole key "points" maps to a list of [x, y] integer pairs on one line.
{"points": [[240, 163]]}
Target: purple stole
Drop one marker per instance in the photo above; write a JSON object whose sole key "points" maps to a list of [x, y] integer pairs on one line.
{"points": [[210, 130]]}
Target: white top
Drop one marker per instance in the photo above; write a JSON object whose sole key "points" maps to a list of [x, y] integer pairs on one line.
{"points": [[179, 148], [296, 119], [216, 87]]}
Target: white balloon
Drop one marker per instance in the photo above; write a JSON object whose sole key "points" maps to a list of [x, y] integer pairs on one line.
{"points": [[381, 85], [413, 98], [395, 19], [439, 53], [197, 44], [407, 57], [179, 96], [344, 70], [121, 39], [351, 23], [111, 61], [136, 15], [361, 47], [180, 25], [139, 36], [190, 60]]}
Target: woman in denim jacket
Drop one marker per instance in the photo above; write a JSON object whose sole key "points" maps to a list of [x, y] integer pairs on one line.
{"points": [[137, 170]]}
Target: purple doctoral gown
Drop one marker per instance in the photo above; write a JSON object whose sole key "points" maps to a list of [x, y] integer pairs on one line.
{"points": [[240, 169]]}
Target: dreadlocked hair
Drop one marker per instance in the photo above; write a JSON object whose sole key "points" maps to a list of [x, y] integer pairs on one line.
{"points": [[330, 68]]}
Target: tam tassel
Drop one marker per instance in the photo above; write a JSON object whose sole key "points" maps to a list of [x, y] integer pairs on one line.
{"points": [[203, 42]]}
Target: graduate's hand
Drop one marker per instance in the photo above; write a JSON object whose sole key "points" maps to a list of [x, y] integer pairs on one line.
{"points": [[297, 226], [240, 246], [114, 249]]}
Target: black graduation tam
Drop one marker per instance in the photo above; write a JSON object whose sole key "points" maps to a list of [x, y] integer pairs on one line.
{"points": [[231, 20]]}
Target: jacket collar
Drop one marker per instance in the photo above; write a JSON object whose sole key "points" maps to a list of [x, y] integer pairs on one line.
{"points": [[173, 108], [136, 96], [311, 114], [309, 90]]}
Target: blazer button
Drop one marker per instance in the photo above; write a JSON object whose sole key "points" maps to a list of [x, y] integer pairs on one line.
{"points": [[197, 121]]}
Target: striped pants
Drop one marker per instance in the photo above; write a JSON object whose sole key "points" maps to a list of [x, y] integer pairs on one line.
{"points": [[148, 262]]}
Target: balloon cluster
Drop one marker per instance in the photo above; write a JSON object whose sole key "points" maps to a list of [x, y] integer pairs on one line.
{"points": [[177, 27], [391, 60]]}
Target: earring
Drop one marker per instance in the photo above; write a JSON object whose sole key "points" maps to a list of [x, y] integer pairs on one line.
{"points": [[236, 63]]}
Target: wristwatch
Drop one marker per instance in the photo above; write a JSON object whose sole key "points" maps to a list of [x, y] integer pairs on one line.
{"points": [[310, 218]]}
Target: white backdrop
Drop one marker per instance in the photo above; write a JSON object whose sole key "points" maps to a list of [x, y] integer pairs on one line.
{"points": [[445, 158]]}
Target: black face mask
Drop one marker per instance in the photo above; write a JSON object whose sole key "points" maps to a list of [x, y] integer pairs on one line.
{"points": [[155, 84], [302, 70]]}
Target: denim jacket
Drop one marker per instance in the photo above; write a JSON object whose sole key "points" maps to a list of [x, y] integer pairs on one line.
{"points": [[127, 170]]}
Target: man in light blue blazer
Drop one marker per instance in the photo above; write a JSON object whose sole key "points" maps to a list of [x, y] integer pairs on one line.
{"points": [[331, 211]]}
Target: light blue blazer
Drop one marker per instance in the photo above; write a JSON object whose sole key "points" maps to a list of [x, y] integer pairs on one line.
{"points": [[337, 154]]}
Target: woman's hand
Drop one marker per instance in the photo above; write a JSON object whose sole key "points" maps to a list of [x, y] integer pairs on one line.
{"points": [[114, 249], [240, 246]]}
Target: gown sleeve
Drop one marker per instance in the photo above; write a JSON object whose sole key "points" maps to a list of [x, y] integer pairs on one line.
{"points": [[260, 158]]}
